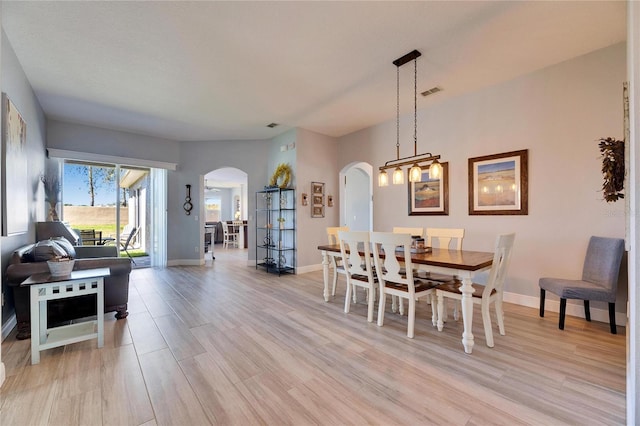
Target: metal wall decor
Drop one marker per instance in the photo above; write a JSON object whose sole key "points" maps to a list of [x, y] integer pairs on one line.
{"points": [[187, 206]]}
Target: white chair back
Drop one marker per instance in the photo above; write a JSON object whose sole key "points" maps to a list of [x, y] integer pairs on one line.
{"points": [[351, 242], [332, 233], [413, 231], [388, 268], [501, 258], [442, 237]]}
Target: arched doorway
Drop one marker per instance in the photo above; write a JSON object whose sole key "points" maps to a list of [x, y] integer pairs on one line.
{"points": [[225, 199], [356, 192]]}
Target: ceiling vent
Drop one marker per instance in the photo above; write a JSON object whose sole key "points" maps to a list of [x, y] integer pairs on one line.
{"points": [[272, 125], [431, 91]]}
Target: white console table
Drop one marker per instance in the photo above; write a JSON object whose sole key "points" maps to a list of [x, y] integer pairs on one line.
{"points": [[45, 287]]}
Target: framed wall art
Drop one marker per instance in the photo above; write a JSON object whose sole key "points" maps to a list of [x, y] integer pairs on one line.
{"points": [[430, 196], [498, 184], [15, 185], [317, 199]]}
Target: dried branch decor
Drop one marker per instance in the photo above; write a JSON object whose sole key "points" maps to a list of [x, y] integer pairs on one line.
{"points": [[612, 151]]}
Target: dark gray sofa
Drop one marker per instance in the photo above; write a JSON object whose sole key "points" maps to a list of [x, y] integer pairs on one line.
{"points": [[116, 286]]}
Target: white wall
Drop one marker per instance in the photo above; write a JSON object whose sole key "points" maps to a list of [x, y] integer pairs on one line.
{"points": [[15, 84], [633, 334], [95, 140], [196, 160], [317, 162], [558, 114]]}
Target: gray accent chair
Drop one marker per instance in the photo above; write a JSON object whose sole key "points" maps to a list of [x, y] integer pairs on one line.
{"points": [[599, 280]]}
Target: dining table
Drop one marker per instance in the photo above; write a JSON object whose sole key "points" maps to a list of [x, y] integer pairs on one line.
{"points": [[464, 264]]}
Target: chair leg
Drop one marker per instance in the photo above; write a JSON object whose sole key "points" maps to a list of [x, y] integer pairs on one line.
{"points": [[500, 316], [612, 318], [371, 301], [335, 280], [411, 317], [587, 312], [563, 310], [440, 299], [382, 299], [347, 297], [542, 294], [486, 322]]}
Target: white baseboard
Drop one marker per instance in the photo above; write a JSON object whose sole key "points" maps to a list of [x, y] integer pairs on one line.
{"points": [[551, 305], [308, 268], [185, 262], [573, 309], [7, 327]]}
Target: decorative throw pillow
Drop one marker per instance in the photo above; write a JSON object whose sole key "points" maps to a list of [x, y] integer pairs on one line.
{"points": [[66, 246], [47, 250]]}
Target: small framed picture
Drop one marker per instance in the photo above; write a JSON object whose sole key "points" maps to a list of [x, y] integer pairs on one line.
{"points": [[330, 200], [305, 199], [318, 200], [498, 184], [317, 211], [317, 188]]}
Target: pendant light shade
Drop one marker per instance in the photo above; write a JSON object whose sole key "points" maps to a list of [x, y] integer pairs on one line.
{"points": [[383, 178], [435, 170], [415, 173], [398, 176]]}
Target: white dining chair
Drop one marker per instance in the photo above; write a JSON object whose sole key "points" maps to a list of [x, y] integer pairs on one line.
{"points": [[395, 279], [229, 237], [359, 272], [486, 294], [336, 262], [444, 238], [414, 232], [396, 305]]}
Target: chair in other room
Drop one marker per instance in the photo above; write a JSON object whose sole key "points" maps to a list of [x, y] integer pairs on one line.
{"points": [[336, 262], [88, 237], [396, 279], [236, 227], [599, 280], [359, 271], [128, 243], [483, 295], [229, 237]]}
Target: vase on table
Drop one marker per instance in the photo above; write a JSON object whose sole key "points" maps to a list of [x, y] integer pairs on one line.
{"points": [[52, 215]]}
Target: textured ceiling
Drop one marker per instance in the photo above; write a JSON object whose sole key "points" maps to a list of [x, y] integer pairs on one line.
{"points": [[224, 70]]}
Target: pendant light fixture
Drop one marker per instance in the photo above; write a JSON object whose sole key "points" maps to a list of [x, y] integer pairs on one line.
{"points": [[415, 173]]}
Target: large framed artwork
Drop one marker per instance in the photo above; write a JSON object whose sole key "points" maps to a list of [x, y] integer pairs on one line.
{"points": [[430, 196], [15, 187], [498, 184]]}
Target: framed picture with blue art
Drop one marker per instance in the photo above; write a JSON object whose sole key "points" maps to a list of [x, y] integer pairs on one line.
{"points": [[430, 196], [498, 184]]}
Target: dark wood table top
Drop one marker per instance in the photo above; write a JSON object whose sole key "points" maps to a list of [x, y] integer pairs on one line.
{"points": [[457, 259]]}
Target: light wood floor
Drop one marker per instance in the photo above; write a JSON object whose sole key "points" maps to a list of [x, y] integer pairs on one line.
{"points": [[226, 344]]}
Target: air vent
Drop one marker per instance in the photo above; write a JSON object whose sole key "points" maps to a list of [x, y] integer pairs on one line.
{"points": [[272, 125], [431, 91]]}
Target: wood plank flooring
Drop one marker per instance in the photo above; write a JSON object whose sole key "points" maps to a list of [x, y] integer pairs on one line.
{"points": [[226, 344]]}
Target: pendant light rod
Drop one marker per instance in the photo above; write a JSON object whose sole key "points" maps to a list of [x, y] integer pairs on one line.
{"points": [[409, 160]]}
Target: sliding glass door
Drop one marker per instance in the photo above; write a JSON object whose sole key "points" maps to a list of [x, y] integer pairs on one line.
{"points": [[117, 204]]}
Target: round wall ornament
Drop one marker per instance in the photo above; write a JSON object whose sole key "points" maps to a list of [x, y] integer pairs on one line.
{"points": [[281, 176]]}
